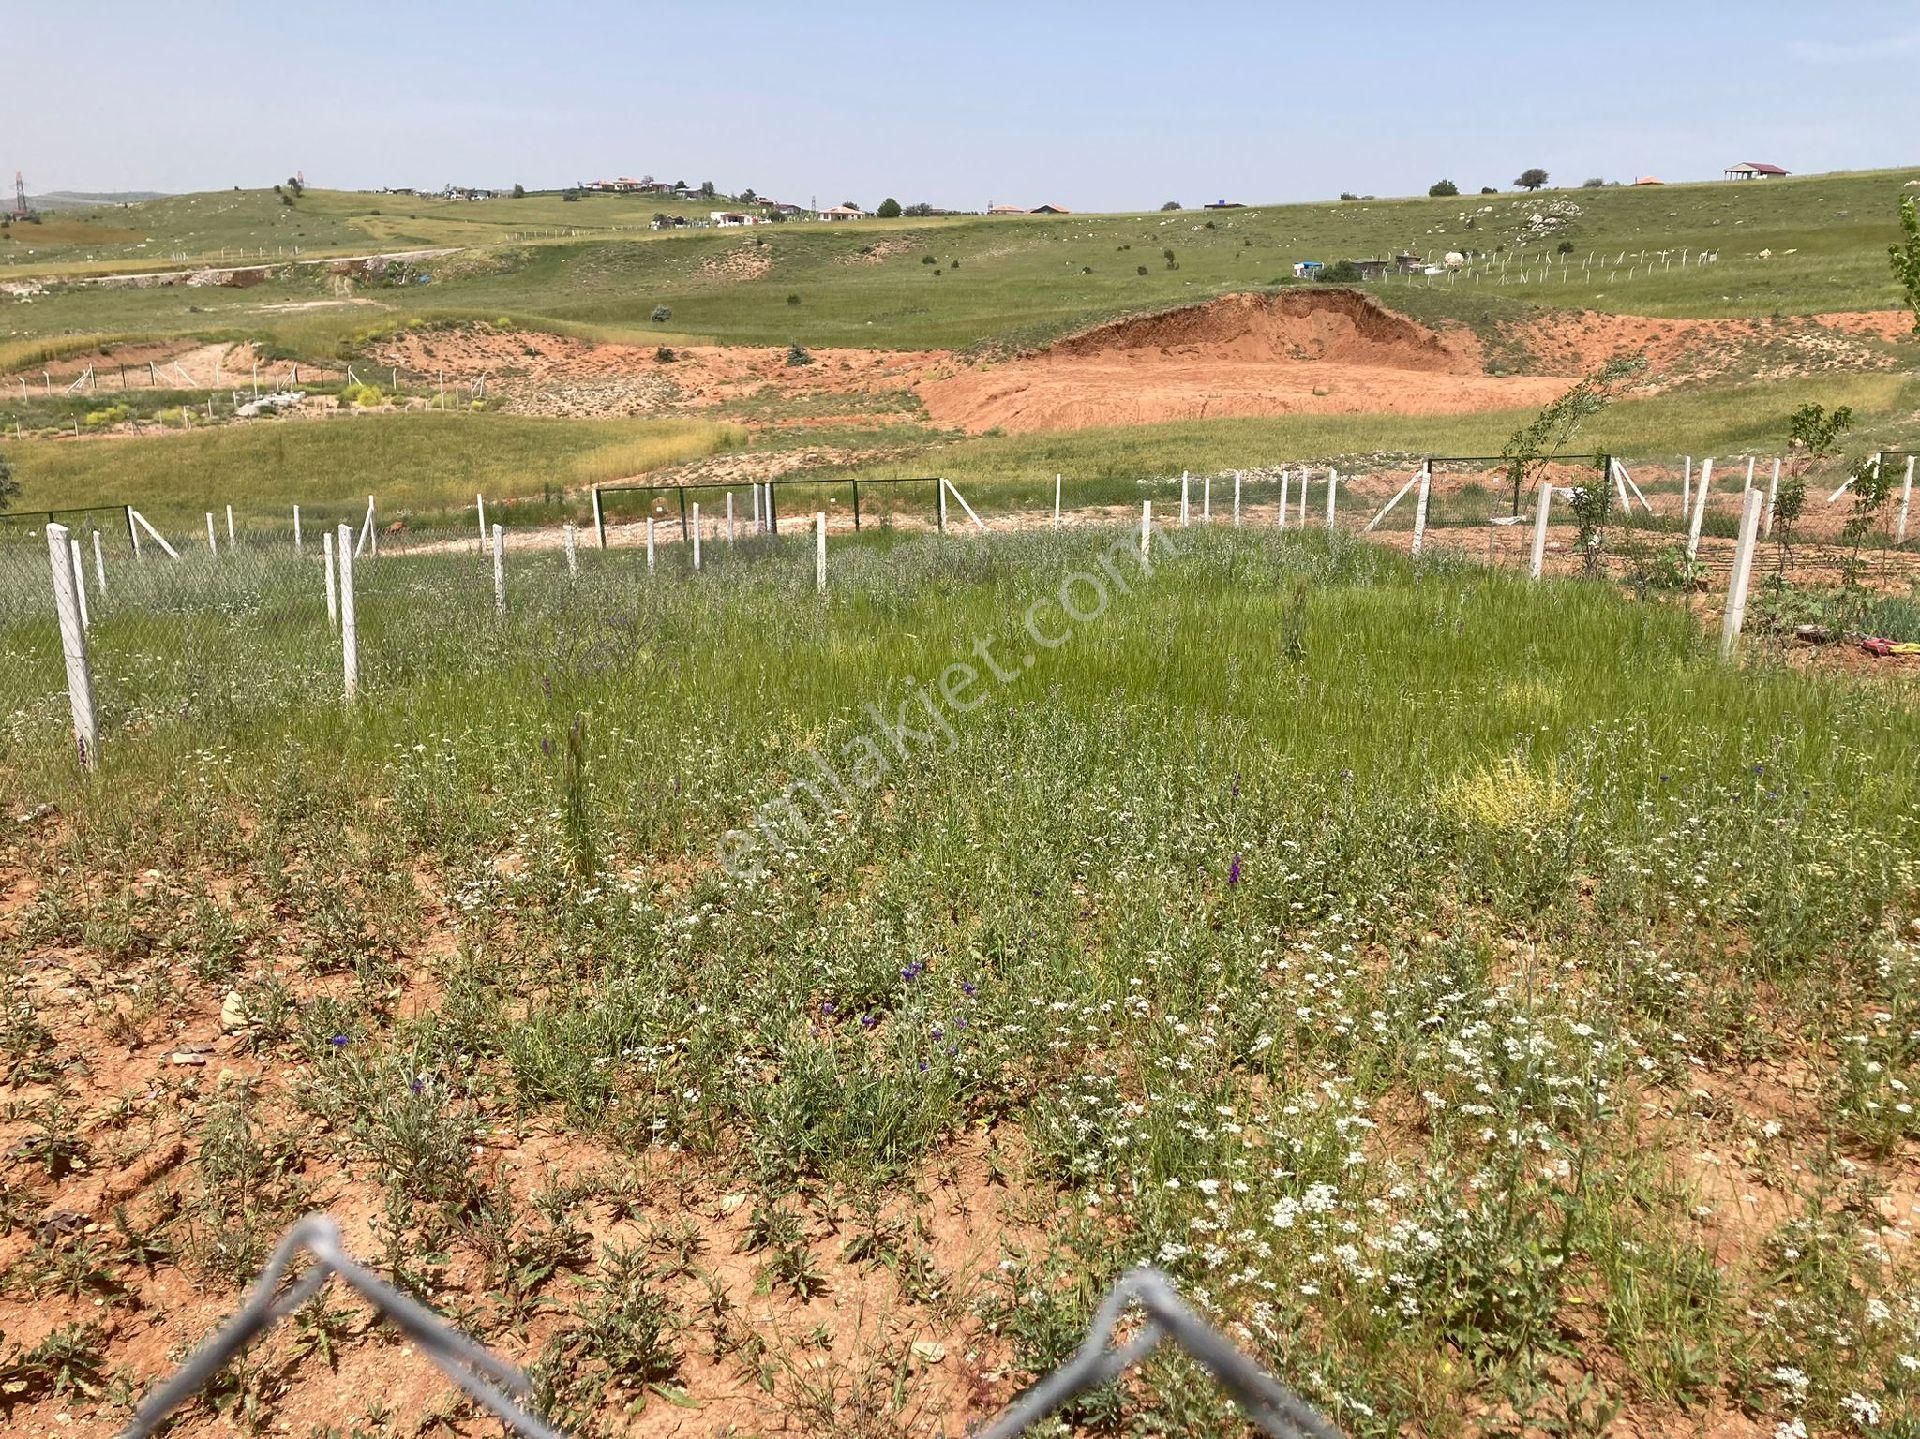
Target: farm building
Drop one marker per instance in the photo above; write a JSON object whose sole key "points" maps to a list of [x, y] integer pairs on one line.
{"points": [[1050, 210], [1223, 205], [1748, 170], [843, 212], [1006, 209], [1649, 180], [1308, 269], [1372, 269], [733, 219], [1408, 263]]}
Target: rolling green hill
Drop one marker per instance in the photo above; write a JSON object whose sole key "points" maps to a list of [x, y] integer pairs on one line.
{"points": [[1789, 247]]}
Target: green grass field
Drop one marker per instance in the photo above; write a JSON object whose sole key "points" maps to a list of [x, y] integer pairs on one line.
{"points": [[421, 467], [1018, 280], [1479, 998]]}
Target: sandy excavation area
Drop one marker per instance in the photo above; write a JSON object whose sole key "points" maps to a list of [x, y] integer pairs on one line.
{"points": [[1297, 352]]}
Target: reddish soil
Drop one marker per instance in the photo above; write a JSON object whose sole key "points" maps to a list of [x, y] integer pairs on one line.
{"points": [[1574, 342], [554, 374], [1297, 352]]}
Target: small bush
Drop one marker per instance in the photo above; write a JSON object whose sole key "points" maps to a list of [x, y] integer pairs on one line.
{"points": [[1440, 189], [362, 396], [1170, 205], [793, 299], [928, 260], [1140, 269], [797, 354], [665, 355], [111, 415], [662, 314], [1348, 195]]}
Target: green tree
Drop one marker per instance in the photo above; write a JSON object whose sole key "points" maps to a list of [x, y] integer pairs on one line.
{"points": [[1548, 433], [1170, 205], [1441, 189], [1812, 433], [1340, 272], [889, 209], [1532, 179], [1906, 258], [519, 192], [707, 191]]}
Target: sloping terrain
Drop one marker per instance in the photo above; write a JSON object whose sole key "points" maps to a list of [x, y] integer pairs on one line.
{"points": [[1326, 351]]}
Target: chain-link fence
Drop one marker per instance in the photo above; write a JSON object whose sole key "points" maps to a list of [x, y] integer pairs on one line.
{"points": [[244, 617], [1113, 1345]]}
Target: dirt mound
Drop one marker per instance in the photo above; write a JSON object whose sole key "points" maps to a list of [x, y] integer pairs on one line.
{"points": [[1296, 326], [1297, 352]]}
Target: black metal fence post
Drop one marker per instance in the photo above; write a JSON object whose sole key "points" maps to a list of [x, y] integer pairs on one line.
{"points": [[856, 506]]}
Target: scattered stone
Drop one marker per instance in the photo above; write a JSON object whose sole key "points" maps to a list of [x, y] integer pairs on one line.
{"points": [[928, 1352]]}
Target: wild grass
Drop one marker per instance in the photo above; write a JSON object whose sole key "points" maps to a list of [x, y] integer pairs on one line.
{"points": [[1374, 945], [423, 466]]}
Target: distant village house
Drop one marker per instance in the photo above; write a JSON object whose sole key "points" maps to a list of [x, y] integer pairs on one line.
{"points": [[1749, 170]]}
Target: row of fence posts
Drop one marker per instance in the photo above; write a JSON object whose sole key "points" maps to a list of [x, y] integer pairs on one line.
{"points": [[339, 548]]}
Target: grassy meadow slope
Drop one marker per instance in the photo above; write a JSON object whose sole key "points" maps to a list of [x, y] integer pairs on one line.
{"points": [[958, 282]]}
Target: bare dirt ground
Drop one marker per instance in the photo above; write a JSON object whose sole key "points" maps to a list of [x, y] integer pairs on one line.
{"points": [[537, 374], [1299, 352], [1574, 342], [175, 365]]}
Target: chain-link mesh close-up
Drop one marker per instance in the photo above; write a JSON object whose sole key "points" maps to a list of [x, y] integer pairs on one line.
{"points": [[1109, 1351]]}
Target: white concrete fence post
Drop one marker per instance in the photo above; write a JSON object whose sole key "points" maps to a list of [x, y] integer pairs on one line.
{"points": [[80, 584], [68, 596], [326, 560], [499, 570], [229, 526], [298, 546], [649, 544], [1699, 509], [1056, 501], [1206, 500], [1686, 489], [1737, 585], [213, 545], [696, 535], [1420, 508], [1306, 483], [349, 624], [1540, 529], [1236, 499], [820, 551], [1286, 480], [1186, 484], [1906, 505], [568, 542], [1146, 529], [480, 505], [1333, 484], [1773, 497]]}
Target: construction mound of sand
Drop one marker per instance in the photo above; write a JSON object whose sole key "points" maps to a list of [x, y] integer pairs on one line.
{"points": [[1298, 351]]}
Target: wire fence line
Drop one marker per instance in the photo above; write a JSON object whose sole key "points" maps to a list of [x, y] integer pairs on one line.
{"points": [[502, 1389]]}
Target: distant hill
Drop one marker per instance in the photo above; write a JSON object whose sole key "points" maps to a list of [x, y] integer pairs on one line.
{"points": [[83, 200]]}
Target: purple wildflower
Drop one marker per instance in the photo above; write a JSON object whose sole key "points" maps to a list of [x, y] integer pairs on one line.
{"points": [[1233, 871]]}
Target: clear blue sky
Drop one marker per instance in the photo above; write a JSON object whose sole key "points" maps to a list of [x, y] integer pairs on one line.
{"points": [[1093, 106]]}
